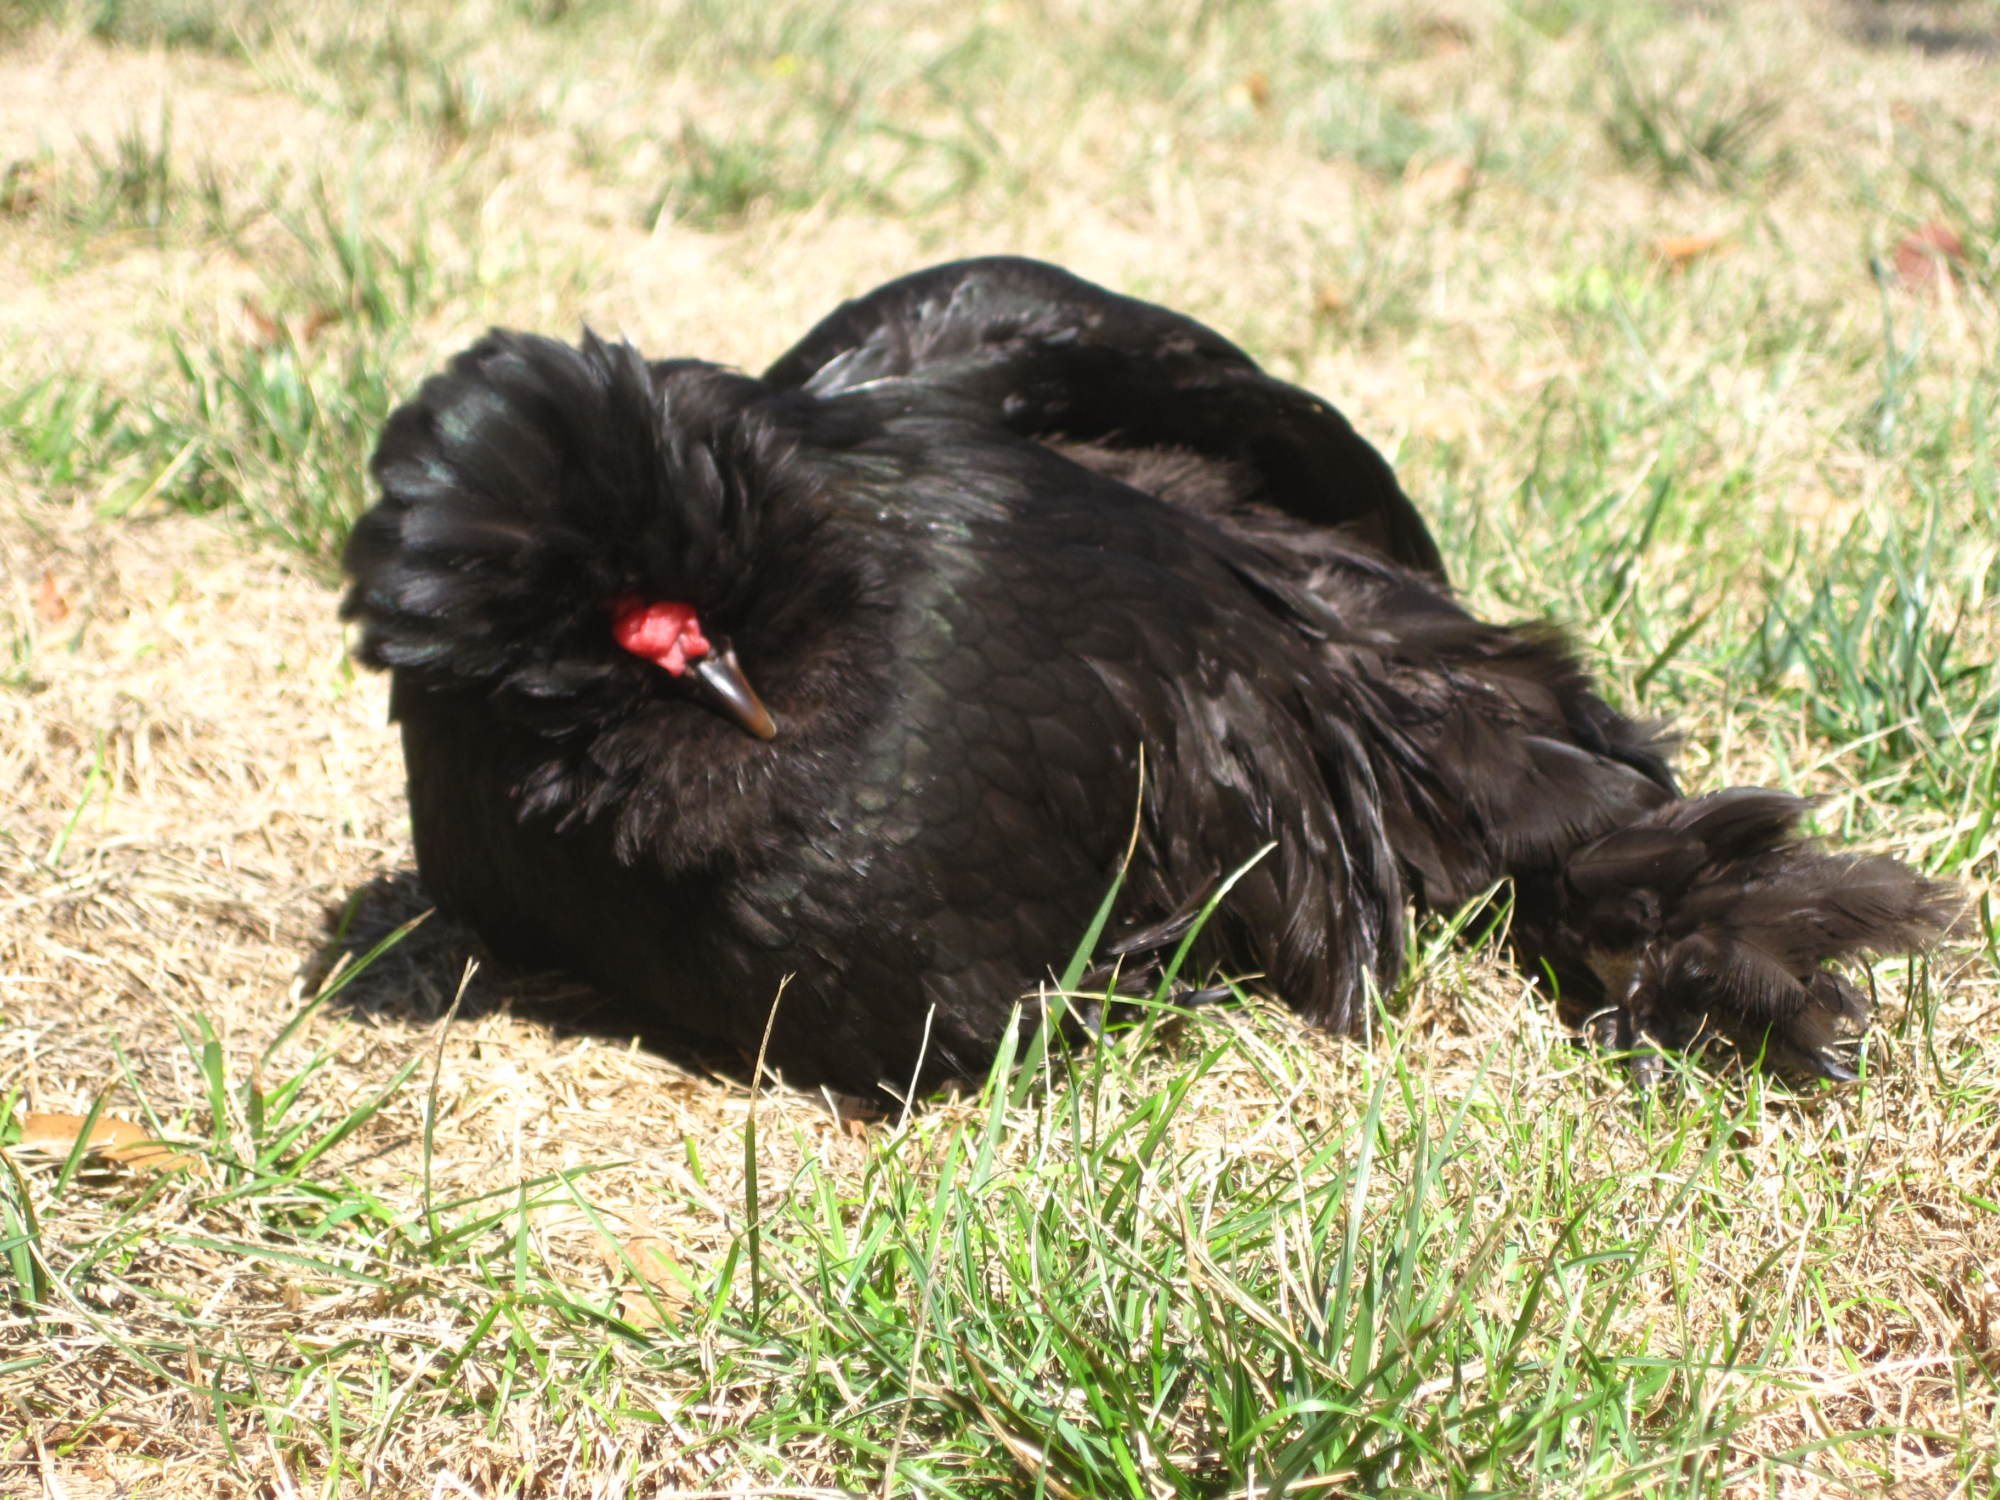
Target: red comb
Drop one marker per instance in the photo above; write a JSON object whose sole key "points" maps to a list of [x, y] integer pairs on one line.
{"points": [[668, 635]]}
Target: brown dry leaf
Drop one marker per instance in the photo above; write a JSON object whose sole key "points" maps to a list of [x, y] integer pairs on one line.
{"points": [[651, 1258], [1445, 33], [266, 332], [1259, 89], [20, 187], [1929, 254], [1440, 181], [115, 1140], [51, 603], [1678, 251], [641, 1311], [317, 322], [852, 1115]]}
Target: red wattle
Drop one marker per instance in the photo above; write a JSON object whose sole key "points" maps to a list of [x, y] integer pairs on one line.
{"points": [[668, 635]]}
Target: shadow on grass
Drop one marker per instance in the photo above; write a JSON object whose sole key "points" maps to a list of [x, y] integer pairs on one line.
{"points": [[1927, 26], [390, 958]]}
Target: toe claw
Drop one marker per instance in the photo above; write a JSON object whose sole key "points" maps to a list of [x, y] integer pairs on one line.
{"points": [[1645, 1066], [1823, 1064], [1614, 1030], [1611, 1029], [1210, 996]]}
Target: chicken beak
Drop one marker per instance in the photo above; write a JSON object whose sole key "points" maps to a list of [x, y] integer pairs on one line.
{"points": [[729, 693]]}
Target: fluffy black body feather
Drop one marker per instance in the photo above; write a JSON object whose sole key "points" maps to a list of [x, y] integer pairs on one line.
{"points": [[977, 540]]}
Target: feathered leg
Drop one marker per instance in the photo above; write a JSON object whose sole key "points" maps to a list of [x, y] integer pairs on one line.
{"points": [[1715, 915]]}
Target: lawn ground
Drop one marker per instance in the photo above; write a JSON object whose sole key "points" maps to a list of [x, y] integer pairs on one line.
{"points": [[1679, 321]]}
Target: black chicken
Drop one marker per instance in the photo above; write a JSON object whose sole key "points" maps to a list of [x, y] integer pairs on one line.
{"points": [[980, 538]]}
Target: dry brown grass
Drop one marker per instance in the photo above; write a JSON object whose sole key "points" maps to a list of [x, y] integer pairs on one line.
{"points": [[195, 785]]}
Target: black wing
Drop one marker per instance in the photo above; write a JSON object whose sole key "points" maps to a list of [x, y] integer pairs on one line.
{"points": [[1116, 382]]}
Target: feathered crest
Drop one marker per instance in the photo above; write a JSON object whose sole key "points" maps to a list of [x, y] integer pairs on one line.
{"points": [[531, 484]]}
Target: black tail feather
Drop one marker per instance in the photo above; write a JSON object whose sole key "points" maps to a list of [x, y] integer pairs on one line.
{"points": [[1715, 916]]}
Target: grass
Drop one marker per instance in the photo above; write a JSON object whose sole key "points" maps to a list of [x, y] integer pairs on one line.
{"points": [[1689, 125], [1080, 1286], [1620, 291]]}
